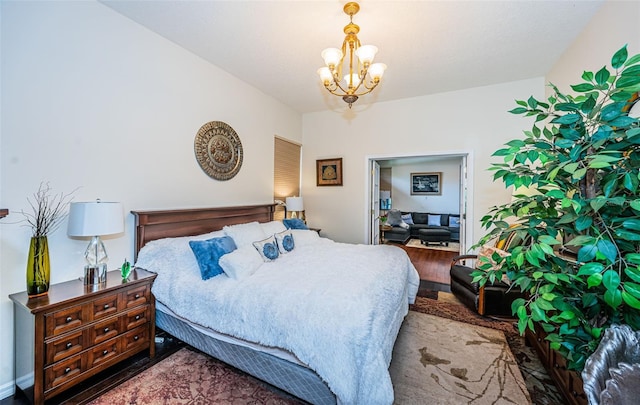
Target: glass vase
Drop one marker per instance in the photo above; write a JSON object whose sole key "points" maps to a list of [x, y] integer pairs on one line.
{"points": [[38, 268]]}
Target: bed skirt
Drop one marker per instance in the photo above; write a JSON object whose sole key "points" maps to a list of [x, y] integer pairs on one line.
{"points": [[293, 378]]}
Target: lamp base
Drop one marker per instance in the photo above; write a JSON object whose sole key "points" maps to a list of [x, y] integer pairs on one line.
{"points": [[95, 274]]}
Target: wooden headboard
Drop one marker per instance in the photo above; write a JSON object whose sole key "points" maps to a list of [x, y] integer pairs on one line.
{"points": [[151, 225]]}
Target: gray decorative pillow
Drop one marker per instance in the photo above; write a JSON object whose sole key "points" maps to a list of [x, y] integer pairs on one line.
{"points": [[394, 218]]}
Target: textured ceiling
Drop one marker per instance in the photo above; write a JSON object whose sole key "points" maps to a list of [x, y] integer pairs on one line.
{"points": [[428, 46]]}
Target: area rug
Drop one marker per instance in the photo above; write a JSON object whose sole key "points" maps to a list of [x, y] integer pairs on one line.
{"points": [[453, 246], [541, 388], [191, 377], [441, 361]]}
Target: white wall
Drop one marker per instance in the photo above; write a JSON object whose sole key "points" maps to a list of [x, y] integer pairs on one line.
{"points": [[448, 202], [615, 25], [93, 100], [473, 120]]}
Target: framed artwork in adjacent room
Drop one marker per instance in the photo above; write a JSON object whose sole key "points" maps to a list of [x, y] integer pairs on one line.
{"points": [[329, 172], [426, 183]]}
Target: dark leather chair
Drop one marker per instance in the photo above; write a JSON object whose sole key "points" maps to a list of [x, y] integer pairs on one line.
{"points": [[491, 299]]}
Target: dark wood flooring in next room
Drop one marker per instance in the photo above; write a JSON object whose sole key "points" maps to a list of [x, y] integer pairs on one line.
{"points": [[433, 266]]}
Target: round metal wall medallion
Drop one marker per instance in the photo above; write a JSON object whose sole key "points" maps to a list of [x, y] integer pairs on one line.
{"points": [[218, 150]]}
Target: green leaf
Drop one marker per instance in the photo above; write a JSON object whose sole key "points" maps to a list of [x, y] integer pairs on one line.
{"points": [[613, 298], [630, 300], [608, 250], [628, 81], [619, 57], [633, 273], [583, 223], [632, 288], [633, 258], [548, 239], [533, 103], [599, 202], [567, 119], [610, 280], [587, 253], [627, 235], [635, 204], [550, 277], [594, 280], [633, 224], [580, 173], [602, 76], [583, 87], [588, 76], [518, 110], [590, 268]]}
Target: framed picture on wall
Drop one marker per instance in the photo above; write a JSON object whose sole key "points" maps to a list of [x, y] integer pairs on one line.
{"points": [[329, 172], [426, 183]]}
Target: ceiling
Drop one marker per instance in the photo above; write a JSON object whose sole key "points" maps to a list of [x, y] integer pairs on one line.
{"points": [[429, 46]]}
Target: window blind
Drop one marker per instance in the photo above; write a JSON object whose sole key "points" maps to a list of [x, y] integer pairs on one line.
{"points": [[286, 172]]}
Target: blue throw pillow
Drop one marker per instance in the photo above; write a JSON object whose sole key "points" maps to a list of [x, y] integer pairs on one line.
{"points": [[208, 253], [407, 219], [294, 223], [268, 248], [454, 222]]}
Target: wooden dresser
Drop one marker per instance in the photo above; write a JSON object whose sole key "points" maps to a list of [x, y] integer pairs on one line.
{"points": [[568, 381], [76, 331]]}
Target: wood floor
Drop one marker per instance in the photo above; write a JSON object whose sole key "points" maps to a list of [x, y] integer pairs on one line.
{"points": [[432, 265]]}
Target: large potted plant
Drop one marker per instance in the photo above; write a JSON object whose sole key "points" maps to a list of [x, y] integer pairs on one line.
{"points": [[580, 167]]}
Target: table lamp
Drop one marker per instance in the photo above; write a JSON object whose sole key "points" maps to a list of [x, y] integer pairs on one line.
{"points": [[296, 206], [95, 219]]}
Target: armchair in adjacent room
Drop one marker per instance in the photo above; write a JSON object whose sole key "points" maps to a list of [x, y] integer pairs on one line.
{"points": [[491, 299]]}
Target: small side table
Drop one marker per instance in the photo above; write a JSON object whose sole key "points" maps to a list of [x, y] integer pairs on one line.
{"points": [[383, 229]]}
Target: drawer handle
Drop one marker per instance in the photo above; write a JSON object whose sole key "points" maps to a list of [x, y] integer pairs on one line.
{"points": [[67, 370], [136, 337], [106, 330], [106, 306], [104, 352], [69, 319], [137, 317], [137, 296], [69, 345]]}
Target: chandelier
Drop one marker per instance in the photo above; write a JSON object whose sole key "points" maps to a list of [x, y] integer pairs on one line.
{"points": [[362, 76]]}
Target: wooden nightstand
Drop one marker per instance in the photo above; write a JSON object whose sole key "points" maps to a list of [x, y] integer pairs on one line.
{"points": [[76, 331]]}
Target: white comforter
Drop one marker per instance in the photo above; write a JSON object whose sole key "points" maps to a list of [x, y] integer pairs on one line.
{"points": [[337, 307]]}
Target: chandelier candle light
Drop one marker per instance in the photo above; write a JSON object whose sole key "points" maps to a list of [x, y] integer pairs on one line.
{"points": [[95, 219], [363, 76]]}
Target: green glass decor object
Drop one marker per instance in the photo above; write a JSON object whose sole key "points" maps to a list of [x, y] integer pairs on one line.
{"points": [[38, 268], [125, 270]]}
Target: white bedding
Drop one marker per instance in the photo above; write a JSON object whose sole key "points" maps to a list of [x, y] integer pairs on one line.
{"points": [[337, 307]]}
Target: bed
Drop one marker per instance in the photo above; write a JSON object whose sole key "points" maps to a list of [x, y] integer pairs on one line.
{"points": [[318, 322]]}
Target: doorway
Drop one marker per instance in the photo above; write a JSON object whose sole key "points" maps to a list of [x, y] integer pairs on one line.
{"points": [[452, 166]]}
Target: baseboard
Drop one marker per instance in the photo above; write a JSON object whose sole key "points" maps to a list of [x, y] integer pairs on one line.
{"points": [[7, 389]]}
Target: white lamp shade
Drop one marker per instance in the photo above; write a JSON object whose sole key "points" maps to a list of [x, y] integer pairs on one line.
{"points": [[331, 56], [325, 75], [366, 53], [95, 218], [377, 70], [354, 78], [295, 204]]}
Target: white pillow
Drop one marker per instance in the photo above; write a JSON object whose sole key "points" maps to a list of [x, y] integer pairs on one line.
{"points": [[433, 220], [268, 248], [285, 240], [273, 227], [245, 234], [304, 237], [241, 263]]}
